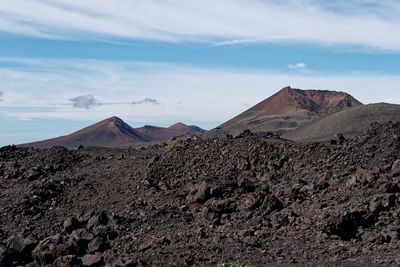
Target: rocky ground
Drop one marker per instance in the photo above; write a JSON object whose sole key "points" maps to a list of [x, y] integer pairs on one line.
{"points": [[203, 202]]}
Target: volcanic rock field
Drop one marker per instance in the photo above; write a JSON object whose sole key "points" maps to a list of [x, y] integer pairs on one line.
{"points": [[203, 202]]}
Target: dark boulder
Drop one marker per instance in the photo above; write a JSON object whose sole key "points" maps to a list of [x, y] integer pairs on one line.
{"points": [[396, 168], [201, 192], [96, 220], [390, 188], [71, 224], [49, 249], [93, 260], [80, 240], [245, 182], [97, 245], [67, 261], [19, 249], [346, 226]]}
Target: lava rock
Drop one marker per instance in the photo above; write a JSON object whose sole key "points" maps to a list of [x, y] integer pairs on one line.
{"points": [[5, 258], [71, 224], [67, 261], [245, 133], [93, 260], [390, 188], [201, 192], [243, 164], [347, 226], [19, 248], [245, 183], [50, 249], [375, 205], [81, 238], [82, 235], [340, 138], [322, 184], [33, 174], [396, 168], [101, 219], [97, 244], [364, 176], [275, 204]]}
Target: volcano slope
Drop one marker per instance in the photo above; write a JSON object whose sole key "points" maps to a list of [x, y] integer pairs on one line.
{"points": [[287, 110], [203, 202], [349, 122], [115, 133], [111, 132]]}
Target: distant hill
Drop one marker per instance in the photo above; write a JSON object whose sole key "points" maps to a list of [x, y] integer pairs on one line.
{"points": [[298, 115], [154, 133], [114, 132], [349, 122], [288, 109], [111, 132], [183, 128]]}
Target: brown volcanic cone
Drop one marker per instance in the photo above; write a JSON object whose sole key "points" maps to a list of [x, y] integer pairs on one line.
{"points": [[288, 109], [186, 129], [154, 133], [111, 132]]}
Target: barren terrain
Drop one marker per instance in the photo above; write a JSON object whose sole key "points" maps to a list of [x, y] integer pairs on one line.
{"points": [[200, 202]]}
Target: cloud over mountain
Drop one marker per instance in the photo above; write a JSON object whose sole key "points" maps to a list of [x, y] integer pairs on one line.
{"points": [[136, 81], [84, 101]]}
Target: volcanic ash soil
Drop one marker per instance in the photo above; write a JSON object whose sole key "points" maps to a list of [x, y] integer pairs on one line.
{"points": [[201, 202]]}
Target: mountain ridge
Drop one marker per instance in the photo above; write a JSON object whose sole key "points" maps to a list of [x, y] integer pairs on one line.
{"points": [[114, 132], [348, 122], [295, 114]]}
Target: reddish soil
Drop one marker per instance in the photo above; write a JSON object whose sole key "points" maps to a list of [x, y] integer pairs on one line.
{"points": [[288, 109], [315, 101]]}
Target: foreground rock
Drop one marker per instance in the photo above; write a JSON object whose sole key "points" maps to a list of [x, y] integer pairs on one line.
{"points": [[203, 202]]}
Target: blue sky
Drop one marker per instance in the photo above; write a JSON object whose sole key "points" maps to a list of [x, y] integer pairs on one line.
{"points": [[67, 64]]}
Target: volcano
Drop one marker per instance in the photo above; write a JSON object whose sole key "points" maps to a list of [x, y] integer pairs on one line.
{"points": [[154, 133], [114, 132], [288, 109], [111, 132]]}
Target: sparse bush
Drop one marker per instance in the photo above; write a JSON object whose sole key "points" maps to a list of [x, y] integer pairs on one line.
{"points": [[175, 143]]}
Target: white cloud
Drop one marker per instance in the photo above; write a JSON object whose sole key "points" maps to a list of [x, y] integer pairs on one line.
{"points": [[84, 101], [297, 66], [42, 88], [146, 100], [366, 23], [1, 96]]}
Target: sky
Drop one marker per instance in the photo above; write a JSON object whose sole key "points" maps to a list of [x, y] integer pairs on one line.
{"points": [[67, 64]]}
